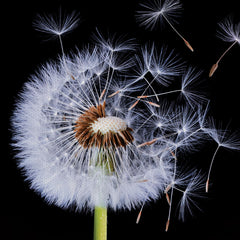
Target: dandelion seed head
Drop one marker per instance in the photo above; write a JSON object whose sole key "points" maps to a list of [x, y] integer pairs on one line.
{"points": [[70, 141], [92, 128]]}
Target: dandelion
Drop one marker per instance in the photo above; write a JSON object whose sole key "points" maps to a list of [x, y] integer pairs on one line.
{"points": [[228, 32], [76, 145], [77, 150], [158, 11], [93, 132]]}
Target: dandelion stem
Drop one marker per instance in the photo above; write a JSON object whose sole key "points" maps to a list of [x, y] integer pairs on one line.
{"points": [[226, 51], [62, 49], [64, 57], [109, 78], [210, 167], [160, 94], [100, 223], [149, 85], [171, 194], [178, 189]]}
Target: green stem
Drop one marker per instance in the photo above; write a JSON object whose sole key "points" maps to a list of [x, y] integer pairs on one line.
{"points": [[100, 223]]}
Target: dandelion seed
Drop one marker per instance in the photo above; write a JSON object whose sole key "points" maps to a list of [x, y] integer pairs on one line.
{"points": [[158, 11], [168, 188], [139, 214], [102, 94], [167, 225], [228, 32], [207, 185], [133, 105], [213, 69], [113, 94], [148, 143], [56, 25], [223, 139], [142, 96], [153, 104], [168, 199]]}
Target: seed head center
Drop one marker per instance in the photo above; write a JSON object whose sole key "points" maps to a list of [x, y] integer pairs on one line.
{"points": [[94, 128], [107, 124]]}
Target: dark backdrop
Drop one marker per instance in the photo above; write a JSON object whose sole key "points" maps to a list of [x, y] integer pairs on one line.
{"points": [[25, 215]]}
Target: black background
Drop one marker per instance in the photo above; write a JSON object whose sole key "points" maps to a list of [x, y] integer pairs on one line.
{"points": [[25, 215]]}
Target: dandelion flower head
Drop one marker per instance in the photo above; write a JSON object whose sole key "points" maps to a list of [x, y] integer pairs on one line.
{"points": [[93, 129], [77, 137]]}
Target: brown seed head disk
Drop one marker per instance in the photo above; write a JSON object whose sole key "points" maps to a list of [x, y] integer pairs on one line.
{"points": [[88, 138]]}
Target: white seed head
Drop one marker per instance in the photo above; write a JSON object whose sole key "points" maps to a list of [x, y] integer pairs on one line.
{"points": [[85, 137], [75, 149]]}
